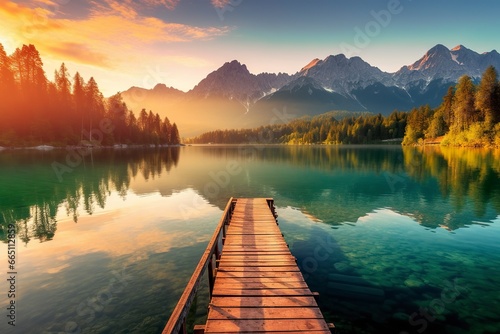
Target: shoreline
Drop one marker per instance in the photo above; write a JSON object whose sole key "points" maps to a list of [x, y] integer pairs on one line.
{"points": [[75, 147]]}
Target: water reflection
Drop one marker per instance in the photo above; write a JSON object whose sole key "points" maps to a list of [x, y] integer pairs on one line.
{"points": [[31, 193], [377, 209], [462, 174], [438, 187]]}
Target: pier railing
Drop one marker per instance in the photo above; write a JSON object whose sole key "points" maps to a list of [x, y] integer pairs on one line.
{"points": [[177, 322]]}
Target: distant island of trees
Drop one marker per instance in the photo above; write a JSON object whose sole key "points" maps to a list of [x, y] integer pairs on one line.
{"points": [[68, 111], [468, 116]]}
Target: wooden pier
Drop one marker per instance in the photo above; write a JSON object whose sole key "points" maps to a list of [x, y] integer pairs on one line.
{"points": [[255, 283]]}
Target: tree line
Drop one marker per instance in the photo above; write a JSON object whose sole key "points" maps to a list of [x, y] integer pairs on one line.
{"points": [[68, 110], [321, 129], [468, 116]]}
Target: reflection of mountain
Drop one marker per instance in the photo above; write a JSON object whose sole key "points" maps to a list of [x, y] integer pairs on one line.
{"points": [[31, 193], [451, 188]]}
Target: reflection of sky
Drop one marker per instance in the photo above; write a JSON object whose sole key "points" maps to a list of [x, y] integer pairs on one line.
{"points": [[125, 234], [412, 265]]}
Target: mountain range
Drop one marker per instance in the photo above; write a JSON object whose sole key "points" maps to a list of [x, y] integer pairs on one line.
{"points": [[232, 97]]}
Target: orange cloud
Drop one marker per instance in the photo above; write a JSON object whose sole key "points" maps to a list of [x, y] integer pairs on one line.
{"points": [[114, 30], [79, 53]]}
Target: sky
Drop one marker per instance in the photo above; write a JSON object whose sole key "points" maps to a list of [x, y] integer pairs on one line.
{"points": [[178, 42]]}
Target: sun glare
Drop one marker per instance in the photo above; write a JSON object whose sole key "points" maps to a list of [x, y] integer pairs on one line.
{"points": [[7, 44]]}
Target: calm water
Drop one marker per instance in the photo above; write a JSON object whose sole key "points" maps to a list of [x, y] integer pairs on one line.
{"points": [[394, 240]]}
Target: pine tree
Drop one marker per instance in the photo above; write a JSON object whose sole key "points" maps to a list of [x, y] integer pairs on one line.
{"points": [[95, 108], [487, 97], [175, 139], [464, 113], [79, 101], [6, 75], [447, 106]]}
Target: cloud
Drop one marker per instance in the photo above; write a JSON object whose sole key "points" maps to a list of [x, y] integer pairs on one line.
{"points": [[113, 34], [79, 53], [220, 3], [170, 4]]}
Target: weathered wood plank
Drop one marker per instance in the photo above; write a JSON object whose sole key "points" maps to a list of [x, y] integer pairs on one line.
{"points": [[270, 301], [221, 313], [257, 264], [259, 274], [236, 252], [258, 269], [261, 293], [259, 326], [260, 285], [260, 257], [231, 280]]}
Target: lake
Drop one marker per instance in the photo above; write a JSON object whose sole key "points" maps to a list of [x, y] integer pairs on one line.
{"points": [[107, 240]]}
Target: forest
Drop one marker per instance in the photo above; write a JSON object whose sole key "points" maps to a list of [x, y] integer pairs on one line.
{"points": [[468, 116], [68, 110], [351, 128]]}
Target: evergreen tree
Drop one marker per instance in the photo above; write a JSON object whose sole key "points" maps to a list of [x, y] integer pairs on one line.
{"points": [[175, 139], [63, 84], [464, 113], [7, 83], [447, 107], [95, 108], [487, 102], [79, 102]]}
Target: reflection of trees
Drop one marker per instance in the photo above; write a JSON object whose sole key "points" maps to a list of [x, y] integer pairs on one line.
{"points": [[361, 158], [436, 186], [31, 194], [464, 175]]}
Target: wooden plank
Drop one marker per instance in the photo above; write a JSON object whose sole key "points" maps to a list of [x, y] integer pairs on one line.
{"points": [[257, 257], [257, 264], [274, 302], [277, 252], [258, 269], [260, 326], [248, 248], [261, 293], [231, 280], [260, 285], [259, 274], [220, 313]]}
